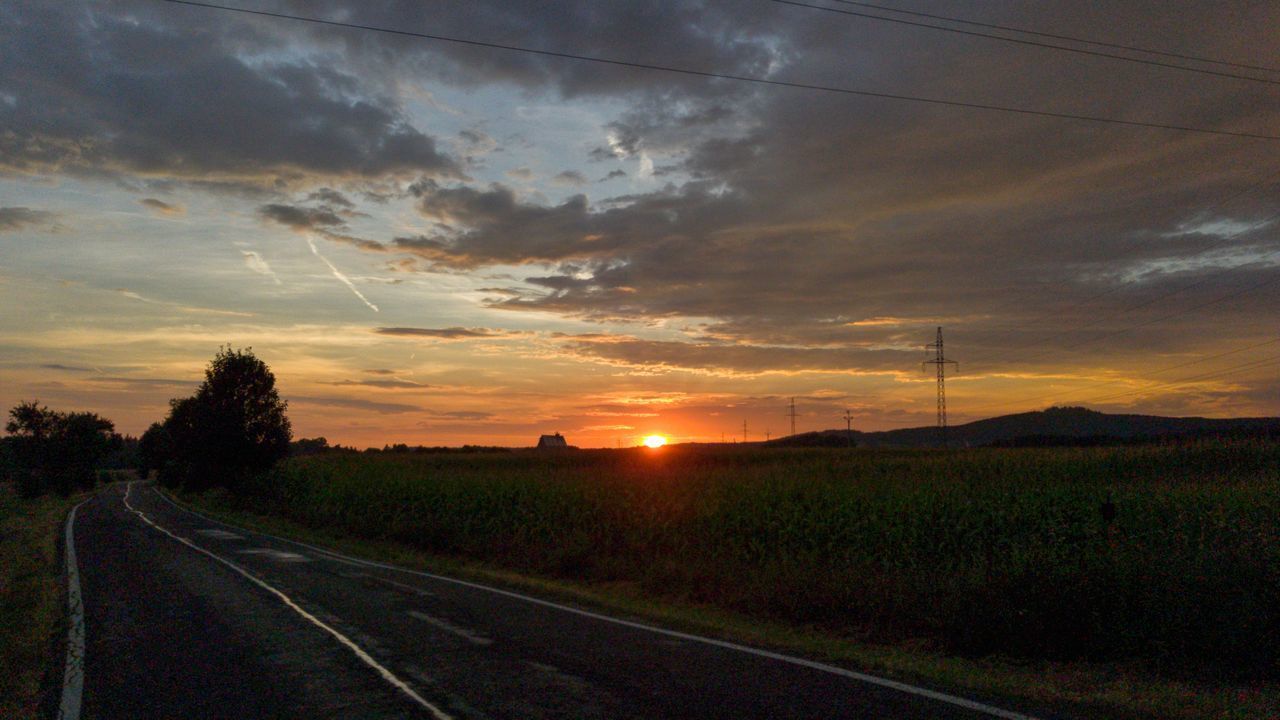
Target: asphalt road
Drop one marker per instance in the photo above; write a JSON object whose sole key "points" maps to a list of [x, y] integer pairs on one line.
{"points": [[189, 618]]}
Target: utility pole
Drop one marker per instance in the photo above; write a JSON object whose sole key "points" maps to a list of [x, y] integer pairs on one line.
{"points": [[766, 435], [848, 425], [792, 414], [940, 362], [744, 431]]}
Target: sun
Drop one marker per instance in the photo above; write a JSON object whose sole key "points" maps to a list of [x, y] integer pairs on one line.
{"points": [[655, 441]]}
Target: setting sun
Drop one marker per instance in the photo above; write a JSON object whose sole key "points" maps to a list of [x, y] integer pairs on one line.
{"points": [[655, 441]]}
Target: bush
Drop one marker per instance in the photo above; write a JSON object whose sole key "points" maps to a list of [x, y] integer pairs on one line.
{"points": [[53, 451]]}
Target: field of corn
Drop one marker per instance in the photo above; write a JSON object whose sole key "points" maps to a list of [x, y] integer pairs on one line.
{"points": [[979, 551]]}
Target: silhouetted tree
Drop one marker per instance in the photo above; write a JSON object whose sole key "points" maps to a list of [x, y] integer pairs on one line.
{"points": [[154, 449], [309, 446], [57, 451], [234, 426]]}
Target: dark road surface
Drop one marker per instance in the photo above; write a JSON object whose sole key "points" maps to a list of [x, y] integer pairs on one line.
{"points": [[234, 624]]}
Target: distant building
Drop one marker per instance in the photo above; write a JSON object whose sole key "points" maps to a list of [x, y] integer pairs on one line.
{"points": [[552, 441]]}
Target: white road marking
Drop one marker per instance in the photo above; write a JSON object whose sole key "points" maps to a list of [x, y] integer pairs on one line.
{"points": [[407, 588], [277, 555], [359, 652], [758, 652], [450, 627], [73, 673], [219, 534]]}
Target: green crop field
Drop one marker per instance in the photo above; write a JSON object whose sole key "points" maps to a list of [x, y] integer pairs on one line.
{"points": [[970, 552]]}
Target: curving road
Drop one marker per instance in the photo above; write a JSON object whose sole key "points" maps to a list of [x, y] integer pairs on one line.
{"points": [[185, 617]]}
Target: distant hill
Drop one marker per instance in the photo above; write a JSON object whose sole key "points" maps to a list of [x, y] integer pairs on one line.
{"points": [[1055, 426]]}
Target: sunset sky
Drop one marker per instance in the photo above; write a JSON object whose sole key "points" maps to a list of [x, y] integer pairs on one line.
{"points": [[438, 243]]}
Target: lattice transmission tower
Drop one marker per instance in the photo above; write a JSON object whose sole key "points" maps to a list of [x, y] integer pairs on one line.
{"points": [[940, 362]]}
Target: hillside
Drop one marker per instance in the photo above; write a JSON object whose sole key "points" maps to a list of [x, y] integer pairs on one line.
{"points": [[1055, 426]]}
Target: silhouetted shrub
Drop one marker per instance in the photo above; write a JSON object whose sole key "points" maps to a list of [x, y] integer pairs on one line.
{"points": [[54, 451]]}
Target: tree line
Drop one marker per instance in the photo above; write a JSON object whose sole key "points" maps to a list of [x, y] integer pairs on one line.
{"points": [[231, 429]]}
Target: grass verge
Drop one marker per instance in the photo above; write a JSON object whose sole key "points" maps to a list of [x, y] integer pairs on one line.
{"points": [[32, 617], [1120, 690]]}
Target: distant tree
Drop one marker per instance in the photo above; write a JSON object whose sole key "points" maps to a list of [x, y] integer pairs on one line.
{"points": [[56, 451], [309, 446], [233, 427], [154, 449]]}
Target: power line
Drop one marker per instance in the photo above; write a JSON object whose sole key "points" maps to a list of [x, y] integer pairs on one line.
{"points": [[1162, 318], [1168, 294], [1251, 365], [728, 76], [1188, 363], [1222, 372], [1222, 240], [1070, 38], [1032, 43]]}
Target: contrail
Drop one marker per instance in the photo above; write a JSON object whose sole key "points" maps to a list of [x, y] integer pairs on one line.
{"points": [[339, 275], [255, 263]]}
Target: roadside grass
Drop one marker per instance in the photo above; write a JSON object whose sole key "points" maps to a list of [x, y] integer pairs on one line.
{"points": [[32, 617], [660, 536]]}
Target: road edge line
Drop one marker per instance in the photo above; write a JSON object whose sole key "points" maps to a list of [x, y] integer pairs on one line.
{"points": [[876, 680], [73, 670], [359, 652]]}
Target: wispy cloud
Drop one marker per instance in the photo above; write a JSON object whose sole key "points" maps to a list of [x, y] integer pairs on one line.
{"points": [[16, 218], [395, 383], [449, 333], [338, 274], [180, 307], [255, 263], [163, 207], [383, 408]]}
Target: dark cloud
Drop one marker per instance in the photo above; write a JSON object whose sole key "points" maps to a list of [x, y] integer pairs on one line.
{"points": [[808, 214], [701, 34], [382, 408], [613, 174], [600, 154], [162, 207], [359, 242], [323, 220], [301, 218], [331, 198], [465, 415], [383, 384], [102, 89], [572, 178], [735, 359], [17, 218], [498, 228], [66, 368], [474, 144], [450, 333]]}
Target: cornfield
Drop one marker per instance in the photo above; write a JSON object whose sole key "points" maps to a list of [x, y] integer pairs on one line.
{"points": [[1169, 552]]}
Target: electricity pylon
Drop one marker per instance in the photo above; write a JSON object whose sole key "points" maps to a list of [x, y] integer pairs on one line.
{"points": [[848, 426], [792, 414], [940, 362]]}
